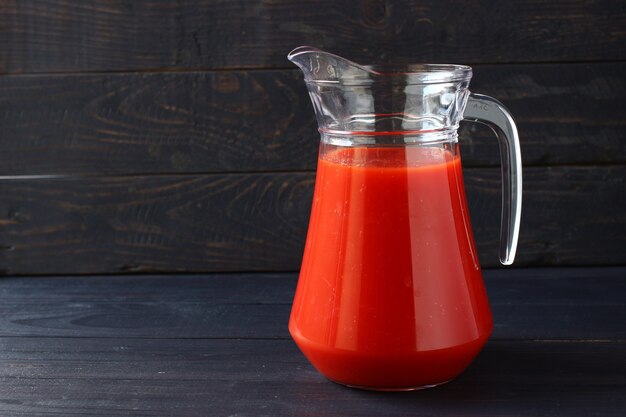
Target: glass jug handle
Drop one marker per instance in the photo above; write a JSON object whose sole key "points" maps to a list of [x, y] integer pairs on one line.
{"points": [[491, 112]]}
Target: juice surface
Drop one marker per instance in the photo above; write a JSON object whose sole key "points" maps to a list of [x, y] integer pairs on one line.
{"points": [[390, 291]]}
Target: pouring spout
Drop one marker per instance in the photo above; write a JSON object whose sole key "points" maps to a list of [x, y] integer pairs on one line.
{"points": [[323, 67], [299, 55]]}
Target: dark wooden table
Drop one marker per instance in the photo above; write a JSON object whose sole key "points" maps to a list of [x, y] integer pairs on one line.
{"points": [[217, 345]]}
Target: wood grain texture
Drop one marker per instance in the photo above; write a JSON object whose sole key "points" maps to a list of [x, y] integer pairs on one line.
{"points": [[263, 121], [256, 306], [99, 35], [156, 123], [150, 346], [257, 222], [155, 223], [256, 378]]}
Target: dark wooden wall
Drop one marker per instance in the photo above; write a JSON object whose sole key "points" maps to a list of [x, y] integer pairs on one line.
{"points": [[163, 136]]}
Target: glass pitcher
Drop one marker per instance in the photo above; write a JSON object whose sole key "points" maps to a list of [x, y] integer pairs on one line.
{"points": [[390, 294]]}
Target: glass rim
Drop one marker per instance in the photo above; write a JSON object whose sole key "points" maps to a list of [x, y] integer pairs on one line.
{"points": [[404, 74], [357, 74]]}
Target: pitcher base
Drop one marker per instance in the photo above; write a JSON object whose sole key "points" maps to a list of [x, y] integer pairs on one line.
{"points": [[389, 371]]}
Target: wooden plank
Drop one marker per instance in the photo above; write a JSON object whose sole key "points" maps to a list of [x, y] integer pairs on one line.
{"points": [[99, 35], [577, 300], [257, 222], [199, 377], [156, 123], [558, 303], [263, 120], [155, 223], [561, 111]]}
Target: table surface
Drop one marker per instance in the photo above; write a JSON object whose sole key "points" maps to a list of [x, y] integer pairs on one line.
{"points": [[217, 345]]}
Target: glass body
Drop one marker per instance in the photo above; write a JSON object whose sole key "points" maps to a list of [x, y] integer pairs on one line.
{"points": [[390, 294]]}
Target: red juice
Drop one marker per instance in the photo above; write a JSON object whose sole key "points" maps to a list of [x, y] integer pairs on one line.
{"points": [[390, 294]]}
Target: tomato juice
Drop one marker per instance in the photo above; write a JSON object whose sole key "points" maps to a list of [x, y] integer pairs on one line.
{"points": [[390, 294]]}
